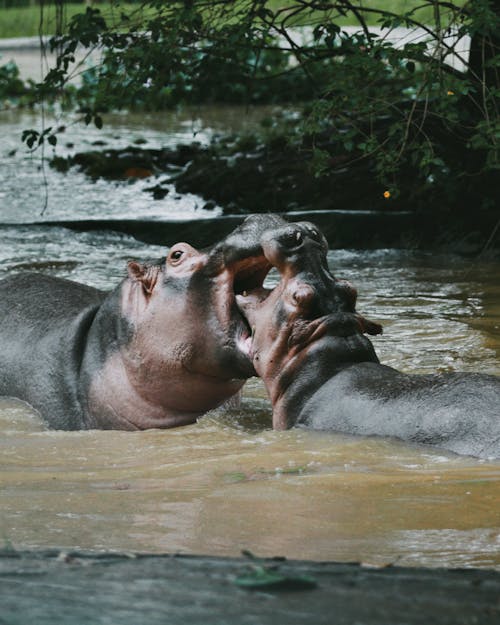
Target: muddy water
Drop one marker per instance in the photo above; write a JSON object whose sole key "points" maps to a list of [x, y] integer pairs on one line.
{"points": [[229, 482]]}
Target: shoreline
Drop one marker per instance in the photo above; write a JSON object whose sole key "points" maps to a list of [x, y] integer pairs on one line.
{"points": [[343, 229]]}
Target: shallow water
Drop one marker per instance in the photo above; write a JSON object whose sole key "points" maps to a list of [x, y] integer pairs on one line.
{"points": [[229, 482], [31, 190]]}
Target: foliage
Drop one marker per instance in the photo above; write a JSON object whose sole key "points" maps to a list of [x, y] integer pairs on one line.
{"points": [[13, 90], [423, 126]]}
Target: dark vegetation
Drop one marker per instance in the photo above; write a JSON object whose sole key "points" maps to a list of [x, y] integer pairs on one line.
{"points": [[374, 125]]}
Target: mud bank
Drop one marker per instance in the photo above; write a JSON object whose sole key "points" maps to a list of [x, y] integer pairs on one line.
{"points": [[343, 229], [243, 177]]}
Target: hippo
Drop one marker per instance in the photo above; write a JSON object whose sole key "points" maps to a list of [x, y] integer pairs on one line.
{"points": [[308, 344], [164, 347]]}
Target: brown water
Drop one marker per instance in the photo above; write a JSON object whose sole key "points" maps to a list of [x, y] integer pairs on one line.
{"points": [[230, 483]]}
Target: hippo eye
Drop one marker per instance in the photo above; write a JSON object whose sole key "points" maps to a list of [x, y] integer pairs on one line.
{"points": [[176, 255], [313, 233]]}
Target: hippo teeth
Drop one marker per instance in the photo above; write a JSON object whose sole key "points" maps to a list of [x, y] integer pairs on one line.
{"points": [[248, 345], [245, 345]]}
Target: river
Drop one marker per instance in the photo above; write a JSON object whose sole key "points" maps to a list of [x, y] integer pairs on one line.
{"points": [[229, 482]]}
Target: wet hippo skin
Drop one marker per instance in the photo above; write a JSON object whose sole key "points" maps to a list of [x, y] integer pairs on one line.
{"points": [[167, 345], [321, 371]]}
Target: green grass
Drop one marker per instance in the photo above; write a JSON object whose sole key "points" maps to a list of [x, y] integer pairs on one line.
{"points": [[25, 21], [421, 12]]}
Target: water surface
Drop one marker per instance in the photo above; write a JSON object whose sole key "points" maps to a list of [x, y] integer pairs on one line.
{"points": [[229, 482]]}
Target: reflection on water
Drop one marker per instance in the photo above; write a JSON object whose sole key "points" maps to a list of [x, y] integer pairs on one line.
{"points": [[229, 482]]}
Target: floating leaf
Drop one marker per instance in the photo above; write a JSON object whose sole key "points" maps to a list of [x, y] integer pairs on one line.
{"points": [[263, 578]]}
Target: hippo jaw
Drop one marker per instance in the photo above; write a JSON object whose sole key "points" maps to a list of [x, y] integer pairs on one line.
{"points": [[250, 305], [238, 265], [240, 277]]}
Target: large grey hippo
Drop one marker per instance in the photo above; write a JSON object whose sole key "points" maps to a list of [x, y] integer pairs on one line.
{"points": [[167, 345], [320, 370]]}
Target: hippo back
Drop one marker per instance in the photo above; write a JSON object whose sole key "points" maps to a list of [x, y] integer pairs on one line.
{"points": [[455, 411], [43, 325]]}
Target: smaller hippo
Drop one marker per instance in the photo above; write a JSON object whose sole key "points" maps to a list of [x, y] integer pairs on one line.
{"points": [[319, 369]]}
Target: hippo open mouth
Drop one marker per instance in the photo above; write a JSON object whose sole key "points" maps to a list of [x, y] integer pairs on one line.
{"points": [[241, 255], [250, 274], [248, 281]]}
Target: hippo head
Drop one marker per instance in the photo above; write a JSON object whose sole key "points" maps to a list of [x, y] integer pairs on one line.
{"points": [[185, 346], [306, 317]]}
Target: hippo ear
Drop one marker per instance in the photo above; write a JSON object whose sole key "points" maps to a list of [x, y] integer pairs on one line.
{"points": [[369, 327], [144, 274]]}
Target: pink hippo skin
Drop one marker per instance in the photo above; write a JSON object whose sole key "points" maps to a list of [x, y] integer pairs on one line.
{"points": [[167, 345], [319, 370]]}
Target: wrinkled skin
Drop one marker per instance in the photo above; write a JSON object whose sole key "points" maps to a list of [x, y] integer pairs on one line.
{"points": [[321, 371], [167, 345]]}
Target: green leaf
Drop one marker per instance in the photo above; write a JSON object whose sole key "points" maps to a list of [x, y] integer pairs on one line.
{"points": [[263, 578]]}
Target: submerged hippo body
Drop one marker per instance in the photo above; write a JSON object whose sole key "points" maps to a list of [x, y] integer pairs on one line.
{"points": [[321, 371], [457, 411], [167, 345]]}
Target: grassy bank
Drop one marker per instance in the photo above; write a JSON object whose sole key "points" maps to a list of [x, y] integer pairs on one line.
{"points": [[26, 21]]}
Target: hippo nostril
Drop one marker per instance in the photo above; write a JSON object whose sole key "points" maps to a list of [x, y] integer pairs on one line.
{"points": [[304, 296]]}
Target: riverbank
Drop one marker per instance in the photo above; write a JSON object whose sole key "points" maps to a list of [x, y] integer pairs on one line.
{"points": [[244, 175], [343, 229]]}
